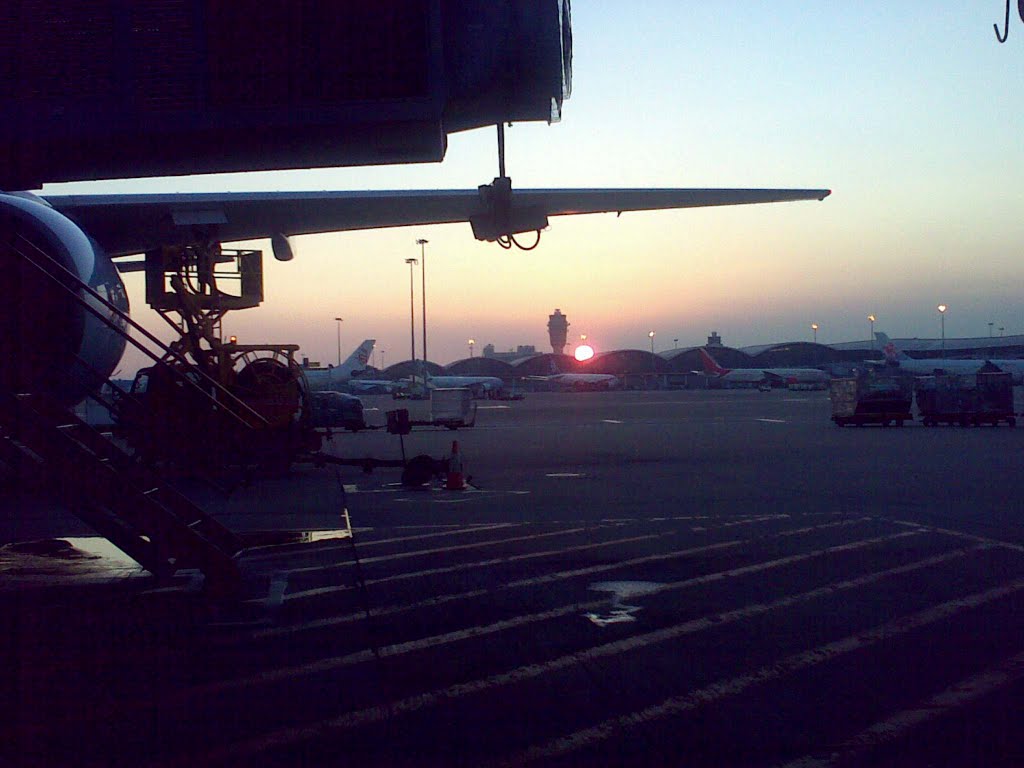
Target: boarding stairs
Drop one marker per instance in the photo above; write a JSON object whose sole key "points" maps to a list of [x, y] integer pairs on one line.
{"points": [[122, 499], [109, 487]]}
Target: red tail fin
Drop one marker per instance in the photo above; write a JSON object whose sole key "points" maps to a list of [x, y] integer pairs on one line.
{"points": [[711, 367]]}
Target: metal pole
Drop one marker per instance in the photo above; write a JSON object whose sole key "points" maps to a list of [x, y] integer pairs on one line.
{"points": [[338, 319], [412, 319], [423, 294]]}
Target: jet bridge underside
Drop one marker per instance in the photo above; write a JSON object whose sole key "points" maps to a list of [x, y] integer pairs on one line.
{"points": [[108, 89]]}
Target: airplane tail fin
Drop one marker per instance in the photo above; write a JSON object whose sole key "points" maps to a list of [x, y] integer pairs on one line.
{"points": [[892, 354], [711, 366], [357, 360]]}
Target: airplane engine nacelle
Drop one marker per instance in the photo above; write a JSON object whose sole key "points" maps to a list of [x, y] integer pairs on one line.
{"points": [[49, 340]]}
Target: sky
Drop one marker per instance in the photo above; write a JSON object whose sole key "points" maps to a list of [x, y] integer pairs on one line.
{"points": [[909, 111]]}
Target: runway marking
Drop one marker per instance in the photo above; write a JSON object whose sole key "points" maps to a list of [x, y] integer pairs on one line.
{"points": [[455, 530], [573, 609], [612, 421], [565, 474], [317, 591], [436, 551], [772, 421], [961, 535], [493, 407], [722, 689], [956, 696], [557, 577], [295, 734]]}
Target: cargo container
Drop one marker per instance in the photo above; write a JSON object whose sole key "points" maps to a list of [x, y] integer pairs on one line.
{"points": [[871, 400], [452, 408], [965, 399]]}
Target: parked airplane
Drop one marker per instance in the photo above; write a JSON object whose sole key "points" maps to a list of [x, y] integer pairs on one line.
{"points": [[480, 386], [580, 382], [896, 358], [786, 376], [334, 377]]}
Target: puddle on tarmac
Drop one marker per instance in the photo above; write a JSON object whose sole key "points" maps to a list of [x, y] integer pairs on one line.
{"points": [[79, 558], [618, 611], [279, 538]]}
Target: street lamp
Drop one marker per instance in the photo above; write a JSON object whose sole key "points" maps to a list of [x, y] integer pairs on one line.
{"points": [[942, 319], [871, 335], [382, 359], [1001, 329], [675, 343], [339, 321], [654, 364], [423, 295], [814, 327], [412, 317], [471, 343], [990, 324]]}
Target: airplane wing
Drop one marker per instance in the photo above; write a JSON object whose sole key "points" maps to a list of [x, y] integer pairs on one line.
{"points": [[128, 224]]}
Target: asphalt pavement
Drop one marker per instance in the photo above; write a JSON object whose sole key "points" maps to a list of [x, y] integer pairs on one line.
{"points": [[633, 578]]}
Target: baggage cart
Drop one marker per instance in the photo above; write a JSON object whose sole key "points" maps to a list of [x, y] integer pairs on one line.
{"points": [[965, 400], [871, 400]]}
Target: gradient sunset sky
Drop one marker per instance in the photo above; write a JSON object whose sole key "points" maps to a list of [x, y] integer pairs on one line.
{"points": [[911, 112]]}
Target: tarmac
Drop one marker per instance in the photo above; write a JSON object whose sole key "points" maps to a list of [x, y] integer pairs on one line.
{"points": [[633, 578]]}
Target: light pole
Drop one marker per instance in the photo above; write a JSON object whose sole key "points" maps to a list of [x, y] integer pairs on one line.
{"points": [[942, 319], [471, 343], [1001, 329], [423, 295], [382, 359], [654, 365], [990, 324], [814, 327], [339, 321], [412, 319], [871, 333], [675, 343]]}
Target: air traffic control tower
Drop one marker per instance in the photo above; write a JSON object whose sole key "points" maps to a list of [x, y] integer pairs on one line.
{"points": [[558, 327]]}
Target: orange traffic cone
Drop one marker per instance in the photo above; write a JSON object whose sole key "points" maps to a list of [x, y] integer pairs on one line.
{"points": [[455, 480]]}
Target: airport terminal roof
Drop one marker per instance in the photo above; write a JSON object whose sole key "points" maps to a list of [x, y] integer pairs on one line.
{"points": [[685, 360], [481, 366], [1009, 346], [547, 364], [407, 368], [797, 353], [626, 361]]}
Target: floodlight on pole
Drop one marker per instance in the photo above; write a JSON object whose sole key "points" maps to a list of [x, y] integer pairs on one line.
{"points": [[814, 327], [339, 321], [942, 320], [871, 334], [471, 342]]}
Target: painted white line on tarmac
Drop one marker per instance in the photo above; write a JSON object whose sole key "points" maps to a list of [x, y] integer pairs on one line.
{"points": [[293, 735], [436, 551], [772, 421], [451, 530], [722, 689], [561, 575], [960, 534], [319, 591], [956, 696], [326, 664], [612, 421]]}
